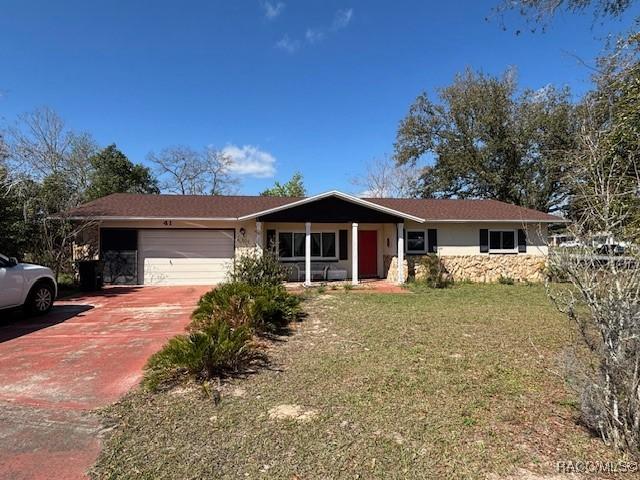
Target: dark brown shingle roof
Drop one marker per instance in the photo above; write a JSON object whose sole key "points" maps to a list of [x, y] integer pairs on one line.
{"points": [[231, 207], [470, 210], [177, 206]]}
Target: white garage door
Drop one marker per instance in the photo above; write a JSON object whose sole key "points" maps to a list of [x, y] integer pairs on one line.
{"points": [[184, 257]]}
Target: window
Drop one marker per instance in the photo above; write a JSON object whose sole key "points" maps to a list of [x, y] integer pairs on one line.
{"points": [[416, 241], [292, 245], [502, 241], [328, 245]]}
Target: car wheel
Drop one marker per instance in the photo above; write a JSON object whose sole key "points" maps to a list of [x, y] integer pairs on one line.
{"points": [[40, 299]]}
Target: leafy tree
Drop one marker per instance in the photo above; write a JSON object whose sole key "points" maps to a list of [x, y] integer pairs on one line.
{"points": [[113, 172], [18, 235], [292, 188], [489, 141]]}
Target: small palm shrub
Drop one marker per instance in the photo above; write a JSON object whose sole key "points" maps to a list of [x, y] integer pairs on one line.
{"points": [[263, 308], [259, 269], [216, 350]]}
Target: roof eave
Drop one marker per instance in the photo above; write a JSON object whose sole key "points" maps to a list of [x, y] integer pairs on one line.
{"points": [[135, 218], [489, 220]]}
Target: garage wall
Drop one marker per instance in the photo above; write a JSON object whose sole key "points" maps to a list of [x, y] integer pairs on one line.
{"points": [[242, 243], [184, 256], [200, 262]]}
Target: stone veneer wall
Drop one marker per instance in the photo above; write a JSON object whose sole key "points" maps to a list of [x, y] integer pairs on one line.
{"points": [[476, 268]]}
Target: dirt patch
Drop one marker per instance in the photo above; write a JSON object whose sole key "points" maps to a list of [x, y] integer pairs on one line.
{"points": [[292, 412]]}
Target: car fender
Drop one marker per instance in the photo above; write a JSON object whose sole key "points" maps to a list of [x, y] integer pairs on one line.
{"points": [[33, 274]]}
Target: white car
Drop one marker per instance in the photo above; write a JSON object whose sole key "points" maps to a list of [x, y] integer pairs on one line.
{"points": [[25, 285]]}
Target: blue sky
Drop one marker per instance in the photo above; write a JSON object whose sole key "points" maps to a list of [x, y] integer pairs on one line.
{"points": [[316, 86]]}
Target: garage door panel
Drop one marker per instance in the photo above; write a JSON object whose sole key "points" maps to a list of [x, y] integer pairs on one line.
{"points": [[189, 257], [203, 265]]}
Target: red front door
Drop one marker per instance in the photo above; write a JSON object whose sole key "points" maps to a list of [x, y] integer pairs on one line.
{"points": [[367, 253]]}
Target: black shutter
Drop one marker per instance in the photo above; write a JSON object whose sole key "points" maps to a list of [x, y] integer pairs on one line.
{"points": [[484, 240], [522, 241], [344, 244], [432, 237], [271, 240]]}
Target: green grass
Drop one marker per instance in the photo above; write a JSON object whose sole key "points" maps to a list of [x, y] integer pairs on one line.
{"points": [[441, 383]]}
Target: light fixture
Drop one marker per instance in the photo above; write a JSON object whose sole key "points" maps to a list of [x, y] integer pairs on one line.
{"points": [[242, 231]]}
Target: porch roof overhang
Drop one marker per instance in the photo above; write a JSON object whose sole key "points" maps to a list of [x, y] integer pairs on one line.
{"points": [[325, 211]]}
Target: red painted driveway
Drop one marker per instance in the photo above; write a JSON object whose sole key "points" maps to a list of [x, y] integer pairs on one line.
{"points": [[86, 353]]}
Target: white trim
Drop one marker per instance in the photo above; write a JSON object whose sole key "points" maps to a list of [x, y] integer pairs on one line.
{"points": [[400, 253], [426, 240], [334, 193], [307, 253], [354, 253], [503, 250], [113, 217], [519, 220]]}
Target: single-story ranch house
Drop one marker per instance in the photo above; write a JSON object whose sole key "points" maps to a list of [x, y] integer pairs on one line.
{"points": [[188, 239]]}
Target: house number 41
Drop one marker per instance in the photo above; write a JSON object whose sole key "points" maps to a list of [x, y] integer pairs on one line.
{"points": [[167, 223]]}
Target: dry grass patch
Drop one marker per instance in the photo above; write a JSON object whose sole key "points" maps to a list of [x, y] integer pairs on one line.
{"points": [[453, 383]]}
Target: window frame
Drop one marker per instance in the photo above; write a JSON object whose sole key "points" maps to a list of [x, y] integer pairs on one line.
{"points": [[426, 241], [299, 258], [503, 250]]}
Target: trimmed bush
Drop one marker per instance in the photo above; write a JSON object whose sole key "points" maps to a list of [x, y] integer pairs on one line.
{"points": [[263, 308], [434, 274], [259, 269], [215, 350], [502, 280]]}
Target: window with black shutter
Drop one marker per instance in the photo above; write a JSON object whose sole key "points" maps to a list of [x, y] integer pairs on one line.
{"points": [[484, 240], [432, 236], [343, 244], [522, 241]]}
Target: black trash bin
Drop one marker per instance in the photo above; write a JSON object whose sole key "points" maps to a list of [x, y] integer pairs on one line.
{"points": [[90, 275]]}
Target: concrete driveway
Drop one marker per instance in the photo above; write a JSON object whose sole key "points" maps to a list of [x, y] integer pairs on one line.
{"points": [[86, 353]]}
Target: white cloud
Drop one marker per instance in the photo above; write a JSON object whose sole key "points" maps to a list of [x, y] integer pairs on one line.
{"points": [[314, 35], [287, 44], [250, 160], [272, 10], [342, 18]]}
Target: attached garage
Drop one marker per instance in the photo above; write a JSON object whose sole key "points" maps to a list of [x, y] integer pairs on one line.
{"points": [[184, 257]]}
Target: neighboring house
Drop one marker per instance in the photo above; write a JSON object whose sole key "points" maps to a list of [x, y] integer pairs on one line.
{"points": [[176, 239]]}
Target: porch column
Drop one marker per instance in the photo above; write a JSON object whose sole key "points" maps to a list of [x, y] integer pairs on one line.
{"points": [[400, 253], [307, 254], [259, 245], [354, 253]]}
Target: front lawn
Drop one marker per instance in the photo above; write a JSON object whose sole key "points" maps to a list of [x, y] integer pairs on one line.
{"points": [[451, 383]]}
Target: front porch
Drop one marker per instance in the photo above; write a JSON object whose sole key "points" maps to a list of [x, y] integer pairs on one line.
{"points": [[334, 239], [367, 285], [333, 252]]}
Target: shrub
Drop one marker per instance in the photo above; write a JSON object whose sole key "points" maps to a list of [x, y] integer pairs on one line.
{"points": [[502, 280], [259, 269], [435, 274], [263, 308], [217, 349]]}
